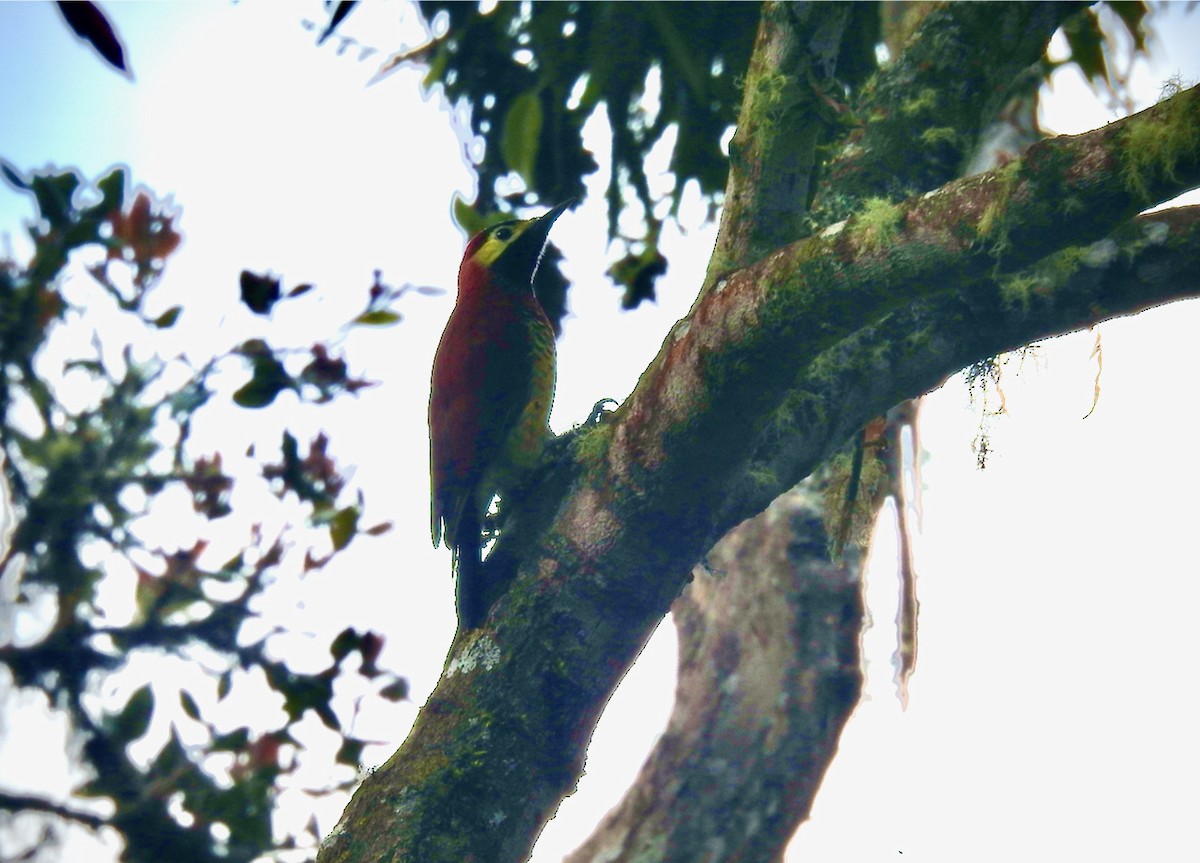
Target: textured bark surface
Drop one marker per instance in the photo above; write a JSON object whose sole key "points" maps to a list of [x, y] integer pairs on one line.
{"points": [[776, 366], [769, 664]]}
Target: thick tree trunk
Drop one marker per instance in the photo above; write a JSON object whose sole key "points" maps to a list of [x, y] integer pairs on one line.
{"points": [[778, 363]]}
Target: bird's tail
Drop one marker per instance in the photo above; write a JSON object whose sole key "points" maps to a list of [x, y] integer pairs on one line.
{"points": [[471, 590]]}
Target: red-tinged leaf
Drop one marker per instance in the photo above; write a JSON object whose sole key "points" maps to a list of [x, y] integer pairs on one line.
{"points": [[88, 23]]}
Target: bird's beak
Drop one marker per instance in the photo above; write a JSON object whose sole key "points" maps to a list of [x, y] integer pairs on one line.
{"points": [[521, 259]]}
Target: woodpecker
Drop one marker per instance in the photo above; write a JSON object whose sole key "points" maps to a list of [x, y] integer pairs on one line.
{"points": [[492, 387]]}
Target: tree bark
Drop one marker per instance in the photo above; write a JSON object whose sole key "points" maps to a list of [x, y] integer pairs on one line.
{"points": [[803, 347]]}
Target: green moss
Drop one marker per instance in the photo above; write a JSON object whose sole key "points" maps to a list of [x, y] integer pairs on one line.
{"points": [[1154, 144], [939, 135], [590, 442], [993, 222], [876, 225], [925, 100], [1045, 278]]}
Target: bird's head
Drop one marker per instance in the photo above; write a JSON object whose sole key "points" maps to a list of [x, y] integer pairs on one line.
{"points": [[510, 251]]}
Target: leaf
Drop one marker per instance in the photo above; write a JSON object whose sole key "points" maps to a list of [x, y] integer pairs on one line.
{"points": [[1086, 40], [234, 741], [168, 318], [343, 8], [224, 684], [397, 691], [189, 705], [351, 751], [134, 719], [259, 292], [1132, 14], [344, 644], [300, 290], [88, 23], [521, 136], [112, 191], [378, 318], [53, 193], [343, 526], [13, 178], [270, 379], [468, 217]]}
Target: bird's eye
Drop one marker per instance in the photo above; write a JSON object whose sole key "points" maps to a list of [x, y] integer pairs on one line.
{"points": [[503, 234]]}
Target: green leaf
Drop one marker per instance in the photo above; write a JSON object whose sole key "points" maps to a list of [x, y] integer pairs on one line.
{"points": [[234, 741], [53, 194], [189, 705], [112, 191], [168, 318], [395, 691], [377, 318], [468, 217], [269, 380], [343, 526], [1132, 13], [521, 136], [1086, 40], [346, 641], [351, 751], [133, 721]]}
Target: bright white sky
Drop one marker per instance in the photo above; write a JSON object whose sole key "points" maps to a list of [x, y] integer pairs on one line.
{"points": [[1055, 704]]}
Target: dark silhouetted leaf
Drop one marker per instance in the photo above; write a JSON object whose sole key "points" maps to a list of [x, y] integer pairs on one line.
{"points": [[269, 380], [88, 23], [344, 644], [11, 175], [259, 293], [637, 274], [397, 691], [132, 722], [300, 290], [351, 752], [343, 8]]}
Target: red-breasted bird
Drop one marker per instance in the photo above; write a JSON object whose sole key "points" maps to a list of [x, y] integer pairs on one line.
{"points": [[493, 383]]}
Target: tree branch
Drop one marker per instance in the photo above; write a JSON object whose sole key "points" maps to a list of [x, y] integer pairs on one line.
{"points": [[771, 673], [29, 803], [519, 699]]}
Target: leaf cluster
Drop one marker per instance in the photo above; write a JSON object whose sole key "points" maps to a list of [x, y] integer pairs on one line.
{"points": [[76, 480], [534, 75]]}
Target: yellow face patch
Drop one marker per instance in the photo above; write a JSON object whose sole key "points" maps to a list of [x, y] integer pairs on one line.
{"points": [[499, 237]]}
